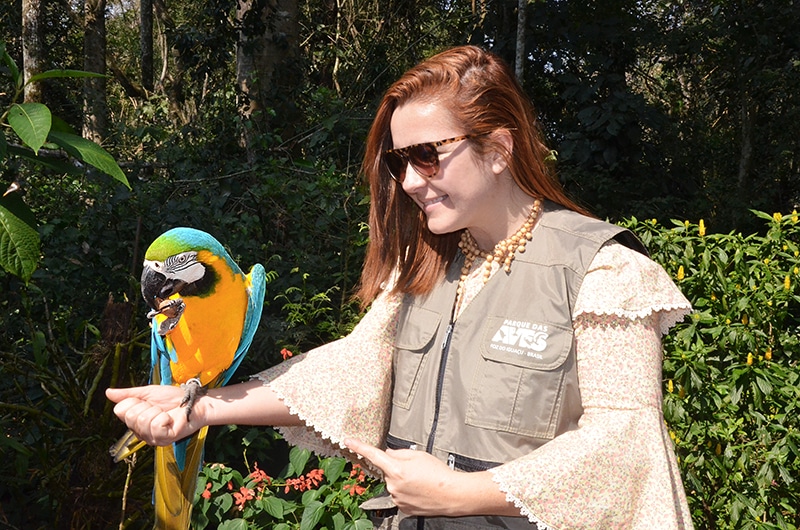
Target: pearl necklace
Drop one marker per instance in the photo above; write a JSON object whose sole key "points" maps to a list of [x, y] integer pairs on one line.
{"points": [[503, 252]]}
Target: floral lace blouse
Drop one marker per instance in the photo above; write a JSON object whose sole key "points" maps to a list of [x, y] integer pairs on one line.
{"points": [[616, 470]]}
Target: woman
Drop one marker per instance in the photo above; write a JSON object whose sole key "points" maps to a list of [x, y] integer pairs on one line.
{"points": [[508, 372]]}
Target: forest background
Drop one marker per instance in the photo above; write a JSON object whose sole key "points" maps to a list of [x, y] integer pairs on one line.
{"points": [[247, 119]]}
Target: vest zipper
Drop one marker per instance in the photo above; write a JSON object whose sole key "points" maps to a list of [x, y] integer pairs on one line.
{"points": [[439, 384]]}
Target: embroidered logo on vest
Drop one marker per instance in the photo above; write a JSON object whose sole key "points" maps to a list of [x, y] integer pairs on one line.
{"points": [[522, 338]]}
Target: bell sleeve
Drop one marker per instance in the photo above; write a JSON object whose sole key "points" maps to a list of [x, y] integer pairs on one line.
{"points": [[341, 389], [618, 468]]}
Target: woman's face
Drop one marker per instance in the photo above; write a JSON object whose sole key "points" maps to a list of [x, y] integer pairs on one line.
{"points": [[467, 191]]}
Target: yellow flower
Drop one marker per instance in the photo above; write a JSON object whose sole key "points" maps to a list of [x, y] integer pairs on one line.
{"points": [[744, 319], [794, 216], [669, 386], [681, 273], [672, 435], [718, 449], [787, 283], [713, 297], [768, 354], [777, 216], [766, 261], [797, 270], [686, 224], [785, 248], [749, 359], [727, 320], [702, 228]]}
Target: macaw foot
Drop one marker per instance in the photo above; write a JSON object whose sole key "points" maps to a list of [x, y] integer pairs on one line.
{"points": [[192, 390], [172, 309]]}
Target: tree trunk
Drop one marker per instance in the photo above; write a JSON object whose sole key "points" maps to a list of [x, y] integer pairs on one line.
{"points": [[146, 40], [519, 60], [173, 70], [32, 56], [95, 111], [267, 70]]}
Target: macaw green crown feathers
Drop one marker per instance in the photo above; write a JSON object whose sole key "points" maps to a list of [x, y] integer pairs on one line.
{"points": [[183, 239]]}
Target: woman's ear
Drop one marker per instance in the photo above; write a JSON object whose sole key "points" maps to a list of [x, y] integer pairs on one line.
{"points": [[501, 155]]}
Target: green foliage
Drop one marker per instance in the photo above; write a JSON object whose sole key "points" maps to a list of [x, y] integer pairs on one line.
{"points": [[308, 494], [34, 125], [732, 379]]}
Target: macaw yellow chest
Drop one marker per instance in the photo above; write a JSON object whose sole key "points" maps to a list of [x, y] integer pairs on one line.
{"points": [[208, 333]]}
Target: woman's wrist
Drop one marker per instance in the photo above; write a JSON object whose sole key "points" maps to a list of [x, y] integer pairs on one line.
{"points": [[477, 494]]}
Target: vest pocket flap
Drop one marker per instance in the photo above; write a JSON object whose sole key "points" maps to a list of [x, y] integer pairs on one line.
{"points": [[417, 328], [534, 345]]}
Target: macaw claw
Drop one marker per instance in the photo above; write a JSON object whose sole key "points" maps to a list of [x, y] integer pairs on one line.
{"points": [[172, 309], [192, 390]]}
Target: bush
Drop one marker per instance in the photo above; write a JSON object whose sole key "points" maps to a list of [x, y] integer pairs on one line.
{"points": [[731, 370], [325, 496]]}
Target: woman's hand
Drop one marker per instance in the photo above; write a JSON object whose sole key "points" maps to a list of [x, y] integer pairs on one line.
{"points": [[421, 484], [155, 414]]}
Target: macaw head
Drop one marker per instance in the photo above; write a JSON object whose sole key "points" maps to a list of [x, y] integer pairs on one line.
{"points": [[177, 262]]}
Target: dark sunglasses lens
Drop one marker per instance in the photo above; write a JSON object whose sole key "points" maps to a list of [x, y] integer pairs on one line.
{"points": [[425, 159], [396, 165]]}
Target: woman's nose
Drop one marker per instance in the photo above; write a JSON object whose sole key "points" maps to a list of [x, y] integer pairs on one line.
{"points": [[413, 180]]}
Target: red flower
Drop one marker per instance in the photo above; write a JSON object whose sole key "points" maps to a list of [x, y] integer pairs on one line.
{"points": [[207, 493], [354, 489], [286, 354], [259, 476], [314, 477], [242, 496], [357, 471]]}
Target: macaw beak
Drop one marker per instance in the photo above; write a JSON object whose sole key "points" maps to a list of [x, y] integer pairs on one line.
{"points": [[156, 287]]}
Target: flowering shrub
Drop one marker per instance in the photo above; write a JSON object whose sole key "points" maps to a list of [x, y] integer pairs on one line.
{"points": [[325, 496], [731, 376]]}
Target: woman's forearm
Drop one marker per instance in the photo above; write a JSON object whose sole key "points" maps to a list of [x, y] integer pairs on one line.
{"points": [[249, 403]]}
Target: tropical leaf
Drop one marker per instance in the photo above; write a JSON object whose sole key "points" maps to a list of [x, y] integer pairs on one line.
{"points": [[89, 152], [19, 240], [31, 122], [63, 73]]}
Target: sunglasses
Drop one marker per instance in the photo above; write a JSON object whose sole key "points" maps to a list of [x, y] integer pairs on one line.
{"points": [[424, 158]]}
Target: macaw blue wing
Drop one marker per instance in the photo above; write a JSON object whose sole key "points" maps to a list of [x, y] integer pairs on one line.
{"points": [[160, 371], [256, 290]]}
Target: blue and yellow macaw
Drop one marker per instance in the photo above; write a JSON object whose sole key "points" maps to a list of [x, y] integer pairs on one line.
{"points": [[205, 311]]}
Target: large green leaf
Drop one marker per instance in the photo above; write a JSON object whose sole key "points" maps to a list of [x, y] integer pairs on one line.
{"points": [[19, 240], [31, 122], [63, 73], [89, 152], [59, 166]]}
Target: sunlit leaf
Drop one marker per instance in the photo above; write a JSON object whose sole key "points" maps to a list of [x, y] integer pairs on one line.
{"points": [[31, 122]]}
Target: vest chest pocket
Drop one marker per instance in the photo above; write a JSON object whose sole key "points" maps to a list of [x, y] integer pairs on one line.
{"points": [[416, 330], [519, 379]]}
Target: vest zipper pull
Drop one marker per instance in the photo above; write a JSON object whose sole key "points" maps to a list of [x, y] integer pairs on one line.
{"points": [[451, 461], [447, 335]]}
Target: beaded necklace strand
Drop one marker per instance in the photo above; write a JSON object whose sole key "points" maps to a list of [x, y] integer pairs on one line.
{"points": [[502, 253]]}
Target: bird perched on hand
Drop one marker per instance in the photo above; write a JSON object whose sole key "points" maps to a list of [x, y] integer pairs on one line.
{"points": [[204, 313]]}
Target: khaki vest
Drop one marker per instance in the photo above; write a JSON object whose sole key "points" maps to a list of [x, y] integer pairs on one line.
{"points": [[502, 379]]}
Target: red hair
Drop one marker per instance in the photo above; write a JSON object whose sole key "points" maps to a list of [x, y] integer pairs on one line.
{"points": [[482, 95]]}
